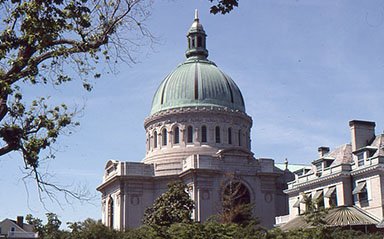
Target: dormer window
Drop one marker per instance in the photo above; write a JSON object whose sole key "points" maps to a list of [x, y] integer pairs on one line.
{"points": [[360, 159], [319, 168]]}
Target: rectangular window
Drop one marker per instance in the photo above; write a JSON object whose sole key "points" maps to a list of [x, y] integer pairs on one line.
{"points": [[332, 196], [360, 159], [361, 192]]}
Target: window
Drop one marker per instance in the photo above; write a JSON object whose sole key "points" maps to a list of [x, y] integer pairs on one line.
{"points": [[318, 199], [176, 135], [189, 134], [229, 136], [319, 168], [239, 137], [155, 139], [360, 159], [199, 41], [332, 196], [235, 193], [110, 212], [217, 134], [204, 134], [361, 191], [164, 134]]}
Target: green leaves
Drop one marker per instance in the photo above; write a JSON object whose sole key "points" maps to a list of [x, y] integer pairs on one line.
{"points": [[173, 206], [223, 6]]}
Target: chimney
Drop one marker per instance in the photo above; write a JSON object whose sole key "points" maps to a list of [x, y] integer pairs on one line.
{"points": [[323, 151], [362, 133], [20, 221]]}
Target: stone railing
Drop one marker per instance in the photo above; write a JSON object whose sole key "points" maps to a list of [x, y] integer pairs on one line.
{"points": [[318, 175]]}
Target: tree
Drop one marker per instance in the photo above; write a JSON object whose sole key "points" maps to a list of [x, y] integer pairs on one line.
{"points": [[223, 6], [173, 206], [236, 205], [40, 40], [51, 230]]}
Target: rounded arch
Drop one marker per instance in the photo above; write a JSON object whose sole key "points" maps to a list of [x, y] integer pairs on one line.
{"points": [[155, 139], [189, 134], [217, 135], [176, 134], [164, 136], [236, 193], [229, 134], [204, 138], [110, 211]]}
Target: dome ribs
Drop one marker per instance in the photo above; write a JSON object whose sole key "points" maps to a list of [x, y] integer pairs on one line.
{"points": [[196, 83], [229, 86]]}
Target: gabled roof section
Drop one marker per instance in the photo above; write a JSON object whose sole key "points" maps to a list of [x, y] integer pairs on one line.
{"points": [[378, 144], [342, 155]]}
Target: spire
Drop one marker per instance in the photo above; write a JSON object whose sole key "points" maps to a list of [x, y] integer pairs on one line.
{"points": [[196, 40]]}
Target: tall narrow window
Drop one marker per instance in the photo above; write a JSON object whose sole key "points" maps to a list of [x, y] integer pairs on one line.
{"points": [[176, 135], [229, 136], [199, 41], [189, 134], [164, 134], [239, 137], [217, 134], [203, 134], [155, 139], [110, 212]]}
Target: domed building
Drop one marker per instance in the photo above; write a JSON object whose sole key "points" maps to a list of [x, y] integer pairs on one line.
{"points": [[198, 131]]}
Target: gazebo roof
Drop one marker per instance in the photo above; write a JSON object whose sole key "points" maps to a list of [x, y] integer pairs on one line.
{"points": [[336, 217]]}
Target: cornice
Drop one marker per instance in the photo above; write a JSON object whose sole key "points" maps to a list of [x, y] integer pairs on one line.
{"points": [[316, 181], [188, 110]]}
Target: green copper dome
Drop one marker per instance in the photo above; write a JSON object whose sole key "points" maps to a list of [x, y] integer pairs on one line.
{"points": [[198, 81]]}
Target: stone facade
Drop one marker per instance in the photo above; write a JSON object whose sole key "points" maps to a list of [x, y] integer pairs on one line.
{"points": [[350, 175], [198, 132]]}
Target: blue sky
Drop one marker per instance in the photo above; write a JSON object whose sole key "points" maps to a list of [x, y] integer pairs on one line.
{"points": [[305, 69]]}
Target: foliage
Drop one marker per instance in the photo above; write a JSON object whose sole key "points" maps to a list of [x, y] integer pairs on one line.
{"points": [[223, 6], [173, 206], [314, 215], [92, 229], [236, 206], [42, 42], [51, 230]]}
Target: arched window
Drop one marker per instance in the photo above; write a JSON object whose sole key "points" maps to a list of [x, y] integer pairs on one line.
{"points": [[239, 135], [110, 212], [229, 136], [235, 193], [176, 135], [203, 134], [164, 134], [155, 139], [189, 134], [217, 134]]}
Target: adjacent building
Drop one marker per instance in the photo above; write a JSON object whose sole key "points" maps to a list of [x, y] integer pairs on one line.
{"points": [[198, 131], [350, 176], [16, 229]]}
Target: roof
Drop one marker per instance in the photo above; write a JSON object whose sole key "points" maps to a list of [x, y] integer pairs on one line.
{"points": [[342, 154], [339, 216], [197, 82], [293, 167]]}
